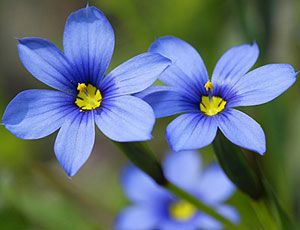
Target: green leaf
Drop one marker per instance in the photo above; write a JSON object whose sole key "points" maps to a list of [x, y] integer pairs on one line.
{"points": [[142, 156], [237, 167]]}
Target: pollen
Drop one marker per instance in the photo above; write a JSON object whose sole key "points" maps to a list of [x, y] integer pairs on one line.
{"points": [[88, 97], [211, 106], [182, 210], [209, 86]]}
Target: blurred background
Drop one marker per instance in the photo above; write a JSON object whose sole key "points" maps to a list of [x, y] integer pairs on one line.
{"points": [[35, 193]]}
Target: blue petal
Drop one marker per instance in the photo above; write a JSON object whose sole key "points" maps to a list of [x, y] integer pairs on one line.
{"points": [[89, 43], [183, 169], [47, 63], [242, 130], [262, 85], [184, 56], [191, 131], [126, 118], [139, 187], [75, 141], [229, 212], [34, 114], [166, 101], [138, 217], [177, 79], [235, 63], [169, 224], [214, 187], [134, 75], [205, 221]]}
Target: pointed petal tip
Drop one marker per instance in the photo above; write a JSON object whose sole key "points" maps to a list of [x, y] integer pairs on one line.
{"points": [[261, 151], [70, 173], [18, 39], [254, 44]]}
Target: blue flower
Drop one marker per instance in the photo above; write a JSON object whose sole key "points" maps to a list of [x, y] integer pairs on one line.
{"points": [[155, 208], [83, 94], [209, 104]]}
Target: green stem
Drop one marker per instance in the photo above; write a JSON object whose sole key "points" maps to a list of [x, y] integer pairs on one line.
{"points": [[264, 215], [200, 205]]}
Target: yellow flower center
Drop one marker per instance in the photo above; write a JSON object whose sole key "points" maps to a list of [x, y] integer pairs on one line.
{"points": [[211, 105], [88, 97], [182, 210]]}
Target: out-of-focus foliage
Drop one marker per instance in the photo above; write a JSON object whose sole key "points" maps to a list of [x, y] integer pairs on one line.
{"points": [[35, 193]]}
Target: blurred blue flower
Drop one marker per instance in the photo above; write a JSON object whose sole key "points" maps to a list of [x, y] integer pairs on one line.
{"points": [[208, 105], [84, 95], [155, 208]]}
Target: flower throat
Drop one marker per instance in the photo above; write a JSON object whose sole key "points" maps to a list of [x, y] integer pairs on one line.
{"points": [[211, 105], [88, 97]]}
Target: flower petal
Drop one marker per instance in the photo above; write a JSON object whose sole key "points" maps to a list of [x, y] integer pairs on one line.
{"points": [[134, 75], [139, 187], [262, 85], [138, 217], [125, 119], [166, 101], [89, 43], [229, 212], [184, 56], [173, 76], [242, 130], [170, 224], [183, 168], [75, 141], [34, 114], [205, 221], [213, 186], [235, 63], [47, 63], [191, 131]]}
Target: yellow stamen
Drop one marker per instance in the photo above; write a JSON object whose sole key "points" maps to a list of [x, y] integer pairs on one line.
{"points": [[88, 97], [209, 86], [211, 106], [81, 87], [182, 210]]}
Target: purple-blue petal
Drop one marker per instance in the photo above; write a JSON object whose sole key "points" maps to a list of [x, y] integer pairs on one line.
{"points": [[242, 130], [205, 221], [134, 75], [47, 63], [125, 119], [191, 131], [166, 101], [75, 141], [262, 85], [234, 64], [89, 43], [34, 114], [229, 212], [170, 224], [141, 188], [183, 169], [213, 185], [141, 217], [184, 56], [177, 79]]}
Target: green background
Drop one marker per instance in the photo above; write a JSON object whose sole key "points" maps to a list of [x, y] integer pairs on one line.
{"points": [[35, 193]]}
